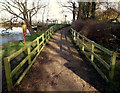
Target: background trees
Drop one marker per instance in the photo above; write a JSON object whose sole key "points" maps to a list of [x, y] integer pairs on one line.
{"points": [[91, 9], [70, 7], [23, 10], [86, 10]]}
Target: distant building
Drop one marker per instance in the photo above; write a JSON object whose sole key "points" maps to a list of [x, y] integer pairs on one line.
{"points": [[52, 21]]}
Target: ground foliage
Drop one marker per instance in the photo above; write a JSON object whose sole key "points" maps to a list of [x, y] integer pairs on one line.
{"points": [[103, 32]]}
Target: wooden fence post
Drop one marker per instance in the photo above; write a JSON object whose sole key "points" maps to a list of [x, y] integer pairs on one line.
{"points": [[77, 42], [112, 72], [8, 74], [92, 56], [51, 31], [74, 35], [29, 54], [49, 34], [43, 39], [38, 45], [83, 48]]}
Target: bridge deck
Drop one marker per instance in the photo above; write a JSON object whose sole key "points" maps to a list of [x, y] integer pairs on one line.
{"points": [[59, 67]]}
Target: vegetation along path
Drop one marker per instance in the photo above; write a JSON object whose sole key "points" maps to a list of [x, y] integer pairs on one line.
{"points": [[60, 67]]}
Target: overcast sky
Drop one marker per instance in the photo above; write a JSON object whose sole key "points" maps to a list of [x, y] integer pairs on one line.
{"points": [[53, 11]]}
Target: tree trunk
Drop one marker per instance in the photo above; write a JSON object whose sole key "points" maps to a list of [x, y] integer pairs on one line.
{"points": [[93, 10], [79, 11], [74, 11], [88, 9], [29, 27]]}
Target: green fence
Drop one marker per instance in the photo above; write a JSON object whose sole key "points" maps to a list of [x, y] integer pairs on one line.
{"points": [[89, 49], [33, 49]]}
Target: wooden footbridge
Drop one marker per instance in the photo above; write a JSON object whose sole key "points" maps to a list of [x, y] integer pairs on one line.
{"points": [[57, 64]]}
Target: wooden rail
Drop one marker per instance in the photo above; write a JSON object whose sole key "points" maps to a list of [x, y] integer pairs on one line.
{"points": [[40, 43], [80, 42]]}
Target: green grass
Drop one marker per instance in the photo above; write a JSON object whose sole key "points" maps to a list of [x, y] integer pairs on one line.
{"points": [[11, 47]]}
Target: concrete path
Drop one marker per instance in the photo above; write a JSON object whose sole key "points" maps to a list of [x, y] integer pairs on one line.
{"points": [[60, 67]]}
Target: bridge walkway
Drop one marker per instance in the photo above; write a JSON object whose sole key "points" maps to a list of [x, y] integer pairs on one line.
{"points": [[60, 67]]}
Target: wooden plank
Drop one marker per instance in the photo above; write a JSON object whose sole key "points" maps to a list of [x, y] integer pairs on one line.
{"points": [[83, 48], [42, 48], [99, 46], [92, 56], [50, 32], [19, 51], [98, 70], [36, 39], [41, 43], [96, 45], [43, 37], [39, 37], [8, 74], [111, 75], [38, 45], [97, 57], [24, 73], [14, 71], [33, 52], [29, 57]]}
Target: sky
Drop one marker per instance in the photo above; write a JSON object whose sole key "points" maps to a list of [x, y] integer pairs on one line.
{"points": [[53, 10]]}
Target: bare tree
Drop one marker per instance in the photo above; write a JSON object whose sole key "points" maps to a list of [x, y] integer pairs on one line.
{"points": [[20, 9], [43, 14], [70, 7], [93, 10], [86, 10]]}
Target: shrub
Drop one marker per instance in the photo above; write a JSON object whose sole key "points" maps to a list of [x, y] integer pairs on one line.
{"points": [[100, 32], [78, 25]]}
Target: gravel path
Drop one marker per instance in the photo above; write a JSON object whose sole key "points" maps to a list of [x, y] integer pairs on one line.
{"points": [[59, 67]]}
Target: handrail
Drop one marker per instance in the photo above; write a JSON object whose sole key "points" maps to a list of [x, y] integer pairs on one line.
{"points": [[97, 45], [40, 43], [110, 67]]}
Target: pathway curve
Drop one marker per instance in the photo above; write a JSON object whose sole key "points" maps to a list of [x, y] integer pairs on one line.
{"points": [[60, 67]]}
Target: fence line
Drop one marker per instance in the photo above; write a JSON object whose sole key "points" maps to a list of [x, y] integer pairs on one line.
{"points": [[80, 42], [40, 43]]}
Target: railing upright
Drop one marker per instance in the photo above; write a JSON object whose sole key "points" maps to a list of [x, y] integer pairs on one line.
{"points": [[83, 48], [112, 70], [38, 46], [8, 74], [29, 54], [92, 56]]}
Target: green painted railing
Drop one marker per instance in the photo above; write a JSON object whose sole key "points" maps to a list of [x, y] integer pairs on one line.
{"points": [[81, 40], [40, 43]]}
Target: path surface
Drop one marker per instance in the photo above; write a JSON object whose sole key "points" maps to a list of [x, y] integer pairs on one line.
{"points": [[59, 67]]}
